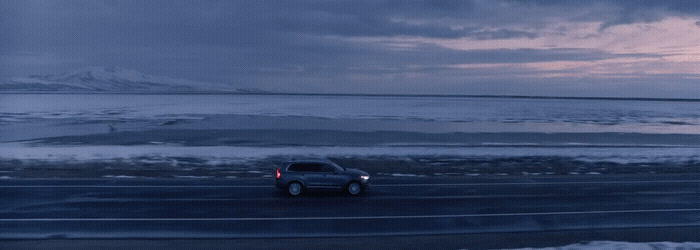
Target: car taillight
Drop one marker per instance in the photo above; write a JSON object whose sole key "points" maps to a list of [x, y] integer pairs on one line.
{"points": [[278, 173]]}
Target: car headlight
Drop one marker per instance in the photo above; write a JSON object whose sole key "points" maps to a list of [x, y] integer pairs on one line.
{"points": [[365, 177]]}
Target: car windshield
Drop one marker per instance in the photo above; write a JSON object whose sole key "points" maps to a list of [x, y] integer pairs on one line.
{"points": [[380, 124]]}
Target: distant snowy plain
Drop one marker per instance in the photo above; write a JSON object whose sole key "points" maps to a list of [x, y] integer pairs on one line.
{"points": [[234, 128]]}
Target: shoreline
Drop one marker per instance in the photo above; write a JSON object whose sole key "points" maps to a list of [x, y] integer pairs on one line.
{"points": [[419, 166], [611, 98]]}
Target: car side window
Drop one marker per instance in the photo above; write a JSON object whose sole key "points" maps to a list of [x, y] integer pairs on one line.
{"points": [[328, 168], [299, 167], [315, 167], [306, 167], [293, 167]]}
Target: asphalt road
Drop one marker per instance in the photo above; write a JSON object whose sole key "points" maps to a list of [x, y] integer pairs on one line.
{"points": [[252, 208]]}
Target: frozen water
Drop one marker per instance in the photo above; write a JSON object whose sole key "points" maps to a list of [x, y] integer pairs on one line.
{"points": [[574, 115], [232, 129]]}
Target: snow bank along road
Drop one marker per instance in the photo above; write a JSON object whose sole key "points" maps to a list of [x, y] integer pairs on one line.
{"points": [[394, 206]]}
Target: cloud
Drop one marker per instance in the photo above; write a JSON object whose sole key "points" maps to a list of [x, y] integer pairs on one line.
{"points": [[620, 12], [335, 57], [309, 43], [112, 24]]}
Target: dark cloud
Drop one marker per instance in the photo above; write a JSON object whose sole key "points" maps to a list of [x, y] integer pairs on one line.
{"points": [[376, 18], [618, 12], [297, 42], [227, 23], [333, 57]]}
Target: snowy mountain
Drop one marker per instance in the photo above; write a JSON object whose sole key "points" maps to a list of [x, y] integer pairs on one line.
{"points": [[111, 79]]}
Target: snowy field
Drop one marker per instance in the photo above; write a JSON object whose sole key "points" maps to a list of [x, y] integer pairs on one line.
{"points": [[533, 115], [617, 245], [211, 134]]}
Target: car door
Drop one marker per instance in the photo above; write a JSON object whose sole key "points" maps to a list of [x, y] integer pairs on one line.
{"points": [[314, 176], [332, 177]]}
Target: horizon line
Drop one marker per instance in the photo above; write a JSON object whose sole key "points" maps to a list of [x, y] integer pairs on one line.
{"points": [[367, 94]]}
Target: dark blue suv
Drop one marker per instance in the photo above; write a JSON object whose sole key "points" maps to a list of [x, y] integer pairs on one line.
{"points": [[297, 176]]}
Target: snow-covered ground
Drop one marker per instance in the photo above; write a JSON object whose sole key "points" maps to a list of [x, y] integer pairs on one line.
{"points": [[512, 135], [464, 114], [219, 154], [618, 245]]}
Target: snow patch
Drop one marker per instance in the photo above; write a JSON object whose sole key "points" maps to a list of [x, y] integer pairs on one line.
{"points": [[193, 176], [403, 175], [619, 245], [119, 176]]}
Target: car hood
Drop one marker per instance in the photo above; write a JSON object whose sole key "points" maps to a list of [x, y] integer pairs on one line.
{"points": [[356, 171]]}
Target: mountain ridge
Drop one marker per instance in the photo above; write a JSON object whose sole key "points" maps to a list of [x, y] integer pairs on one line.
{"points": [[111, 79]]}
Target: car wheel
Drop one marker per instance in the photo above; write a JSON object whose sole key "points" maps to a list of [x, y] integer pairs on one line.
{"points": [[294, 188], [354, 188]]}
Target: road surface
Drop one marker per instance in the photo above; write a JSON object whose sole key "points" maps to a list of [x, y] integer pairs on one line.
{"points": [[251, 208]]}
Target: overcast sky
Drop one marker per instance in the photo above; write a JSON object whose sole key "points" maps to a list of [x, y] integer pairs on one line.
{"points": [[637, 48]]}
